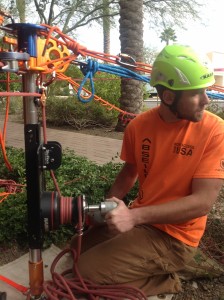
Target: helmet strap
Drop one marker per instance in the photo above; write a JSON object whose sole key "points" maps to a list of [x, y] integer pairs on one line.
{"points": [[173, 107]]}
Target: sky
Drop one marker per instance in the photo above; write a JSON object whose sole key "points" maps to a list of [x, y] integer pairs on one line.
{"points": [[204, 38]]}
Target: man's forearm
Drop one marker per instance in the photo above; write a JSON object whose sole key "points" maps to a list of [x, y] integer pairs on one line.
{"points": [[199, 203], [175, 212]]}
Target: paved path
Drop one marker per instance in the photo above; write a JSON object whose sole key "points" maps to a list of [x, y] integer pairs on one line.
{"points": [[96, 148]]}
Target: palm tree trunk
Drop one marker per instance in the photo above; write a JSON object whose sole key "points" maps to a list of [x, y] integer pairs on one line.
{"points": [[131, 37], [106, 27]]}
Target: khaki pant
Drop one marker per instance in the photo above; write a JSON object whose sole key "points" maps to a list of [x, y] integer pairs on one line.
{"points": [[143, 257]]}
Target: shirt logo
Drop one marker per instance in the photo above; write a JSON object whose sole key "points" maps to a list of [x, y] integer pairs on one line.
{"points": [[222, 163], [183, 149], [145, 155]]}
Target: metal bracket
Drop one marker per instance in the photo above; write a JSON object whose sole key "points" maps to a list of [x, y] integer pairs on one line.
{"points": [[50, 155], [11, 59]]}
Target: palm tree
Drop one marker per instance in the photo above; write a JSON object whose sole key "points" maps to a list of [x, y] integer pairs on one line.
{"points": [[168, 35], [131, 37], [106, 26]]}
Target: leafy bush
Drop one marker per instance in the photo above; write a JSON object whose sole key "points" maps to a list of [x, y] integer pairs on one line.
{"points": [[64, 109], [215, 108], [75, 176], [15, 84], [13, 220], [73, 113], [17, 161], [15, 105]]}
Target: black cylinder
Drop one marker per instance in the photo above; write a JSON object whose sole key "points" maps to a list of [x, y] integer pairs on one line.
{"points": [[56, 210]]}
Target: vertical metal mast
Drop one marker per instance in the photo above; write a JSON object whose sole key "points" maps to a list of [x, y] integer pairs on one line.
{"points": [[34, 185], [27, 42]]}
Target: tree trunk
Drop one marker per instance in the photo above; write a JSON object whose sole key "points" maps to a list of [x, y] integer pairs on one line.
{"points": [[106, 27], [131, 37], [21, 6]]}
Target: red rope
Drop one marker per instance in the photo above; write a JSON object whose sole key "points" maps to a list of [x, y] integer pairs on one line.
{"points": [[71, 285], [44, 124], [17, 286], [16, 94], [11, 186]]}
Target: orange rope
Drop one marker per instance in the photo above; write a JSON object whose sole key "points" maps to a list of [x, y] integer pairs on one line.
{"points": [[43, 105], [16, 94], [11, 187], [78, 49], [57, 65], [109, 106], [17, 286], [3, 135], [217, 88]]}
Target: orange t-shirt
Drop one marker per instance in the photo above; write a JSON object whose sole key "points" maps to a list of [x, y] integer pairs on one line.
{"points": [[168, 156]]}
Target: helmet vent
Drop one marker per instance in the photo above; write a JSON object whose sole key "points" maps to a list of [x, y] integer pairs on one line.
{"points": [[186, 57], [171, 82], [182, 78]]}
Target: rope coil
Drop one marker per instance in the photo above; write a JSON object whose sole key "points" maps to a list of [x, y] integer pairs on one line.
{"points": [[71, 285]]}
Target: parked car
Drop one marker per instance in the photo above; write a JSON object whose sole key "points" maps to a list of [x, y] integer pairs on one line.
{"points": [[149, 91]]}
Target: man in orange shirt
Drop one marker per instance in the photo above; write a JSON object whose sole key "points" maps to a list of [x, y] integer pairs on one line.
{"points": [[176, 152]]}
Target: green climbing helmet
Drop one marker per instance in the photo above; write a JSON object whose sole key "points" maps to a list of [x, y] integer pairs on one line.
{"points": [[179, 68]]}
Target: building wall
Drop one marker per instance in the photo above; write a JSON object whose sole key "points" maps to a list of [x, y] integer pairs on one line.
{"points": [[217, 59]]}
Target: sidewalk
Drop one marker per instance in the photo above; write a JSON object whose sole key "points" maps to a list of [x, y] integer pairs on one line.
{"points": [[96, 148]]}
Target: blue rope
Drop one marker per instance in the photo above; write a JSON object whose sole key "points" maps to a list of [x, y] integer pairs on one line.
{"points": [[88, 70], [91, 67], [215, 95]]}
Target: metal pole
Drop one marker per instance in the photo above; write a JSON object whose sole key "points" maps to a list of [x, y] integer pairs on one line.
{"points": [[34, 186]]}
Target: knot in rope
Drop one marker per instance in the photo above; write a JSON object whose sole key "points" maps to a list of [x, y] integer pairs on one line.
{"points": [[88, 69], [91, 67], [10, 186], [75, 47]]}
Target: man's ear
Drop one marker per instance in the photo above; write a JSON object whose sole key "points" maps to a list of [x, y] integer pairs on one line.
{"points": [[168, 97]]}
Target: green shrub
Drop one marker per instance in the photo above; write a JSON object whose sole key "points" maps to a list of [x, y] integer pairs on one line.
{"points": [[75, 176], [17, 161], [15, 105], [13, 220], [65, 109], [73, 113], [15, 84], [215, 108], [108, 87]]}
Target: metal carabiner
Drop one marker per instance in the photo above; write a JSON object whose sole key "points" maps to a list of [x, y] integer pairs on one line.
{"points": [[126, 60]]}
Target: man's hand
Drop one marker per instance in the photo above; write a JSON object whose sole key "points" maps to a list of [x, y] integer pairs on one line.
{"points": [[119, 219]]}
